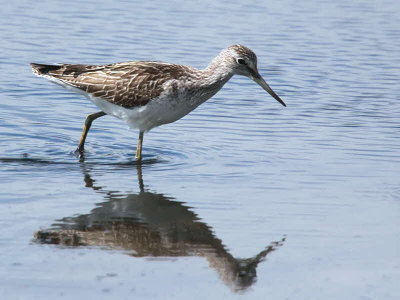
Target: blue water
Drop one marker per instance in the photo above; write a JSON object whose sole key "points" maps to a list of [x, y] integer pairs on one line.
{"points": [[242, 198]]}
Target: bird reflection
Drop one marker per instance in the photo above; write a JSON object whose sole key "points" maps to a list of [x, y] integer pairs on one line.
{"points": [[152, 224]]}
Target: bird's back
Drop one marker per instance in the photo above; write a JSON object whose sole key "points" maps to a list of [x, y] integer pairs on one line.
{"points": [[128, 84]]}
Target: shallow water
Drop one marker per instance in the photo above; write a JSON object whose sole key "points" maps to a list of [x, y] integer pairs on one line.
{"points": [[242, 198]]}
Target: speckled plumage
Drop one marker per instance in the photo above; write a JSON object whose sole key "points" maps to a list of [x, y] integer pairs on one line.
{"points": [[149, 94], [128, 84]]}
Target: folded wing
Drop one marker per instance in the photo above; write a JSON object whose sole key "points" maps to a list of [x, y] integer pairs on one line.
{"points": [[129, 84]]}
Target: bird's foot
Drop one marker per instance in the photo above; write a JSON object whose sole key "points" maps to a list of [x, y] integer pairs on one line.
{"points": [[80, 153]]}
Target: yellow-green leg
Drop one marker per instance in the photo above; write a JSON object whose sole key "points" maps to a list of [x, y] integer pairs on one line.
{"points": [[88, 122], [139, 146]]}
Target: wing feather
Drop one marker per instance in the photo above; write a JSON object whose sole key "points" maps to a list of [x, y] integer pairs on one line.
{"points": [[129, 84]]}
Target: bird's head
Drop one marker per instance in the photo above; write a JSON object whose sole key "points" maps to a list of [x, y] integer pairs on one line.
{"points": [[243, 61]]}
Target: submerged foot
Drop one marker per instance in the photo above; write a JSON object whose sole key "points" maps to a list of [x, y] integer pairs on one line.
{"points": [[80, 153]]}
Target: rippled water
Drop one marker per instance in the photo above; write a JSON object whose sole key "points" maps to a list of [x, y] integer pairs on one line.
{"points": [[240, 199]]}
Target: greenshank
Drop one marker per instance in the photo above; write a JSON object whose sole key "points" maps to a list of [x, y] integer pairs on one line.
{"points": [[147, 94]]}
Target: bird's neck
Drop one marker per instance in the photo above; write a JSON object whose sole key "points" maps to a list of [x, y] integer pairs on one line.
{"points": [[216, 74]]}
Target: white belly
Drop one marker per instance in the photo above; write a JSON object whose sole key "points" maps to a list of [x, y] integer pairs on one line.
{"points": [[157, 112], [170, 106]]}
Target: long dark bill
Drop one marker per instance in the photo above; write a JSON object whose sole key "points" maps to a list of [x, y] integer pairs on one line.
{"points": [[266, 87]]}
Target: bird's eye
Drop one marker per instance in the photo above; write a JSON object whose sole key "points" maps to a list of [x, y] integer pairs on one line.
{"points": [[241, 61]]}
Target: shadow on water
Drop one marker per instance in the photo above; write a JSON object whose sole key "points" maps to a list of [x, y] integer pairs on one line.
{"points": [[24, 160], [149, 224]]}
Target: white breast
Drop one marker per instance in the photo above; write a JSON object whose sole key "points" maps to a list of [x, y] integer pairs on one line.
{"points": [[169, 107], [178, 99]]}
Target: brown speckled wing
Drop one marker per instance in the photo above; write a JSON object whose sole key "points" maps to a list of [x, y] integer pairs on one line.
{"points": [[129, 84]]}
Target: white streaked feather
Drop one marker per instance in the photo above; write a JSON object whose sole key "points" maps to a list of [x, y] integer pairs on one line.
{"points": [[157, 112]]}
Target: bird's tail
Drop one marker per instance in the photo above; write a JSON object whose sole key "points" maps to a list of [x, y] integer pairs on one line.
{"points": [[41, 69]]}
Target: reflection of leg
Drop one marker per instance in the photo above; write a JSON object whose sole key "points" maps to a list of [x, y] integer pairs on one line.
{"points": [[139, 147], [86, 127], [140, 176]]}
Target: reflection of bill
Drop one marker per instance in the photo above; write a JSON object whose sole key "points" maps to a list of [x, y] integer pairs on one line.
{"points": [[151, 224]]}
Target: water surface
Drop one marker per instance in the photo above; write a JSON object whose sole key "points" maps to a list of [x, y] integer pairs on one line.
{"points": [[242, 198]]}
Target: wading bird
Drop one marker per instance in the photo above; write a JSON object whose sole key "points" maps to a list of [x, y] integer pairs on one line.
{"points": [[148, 94]]}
